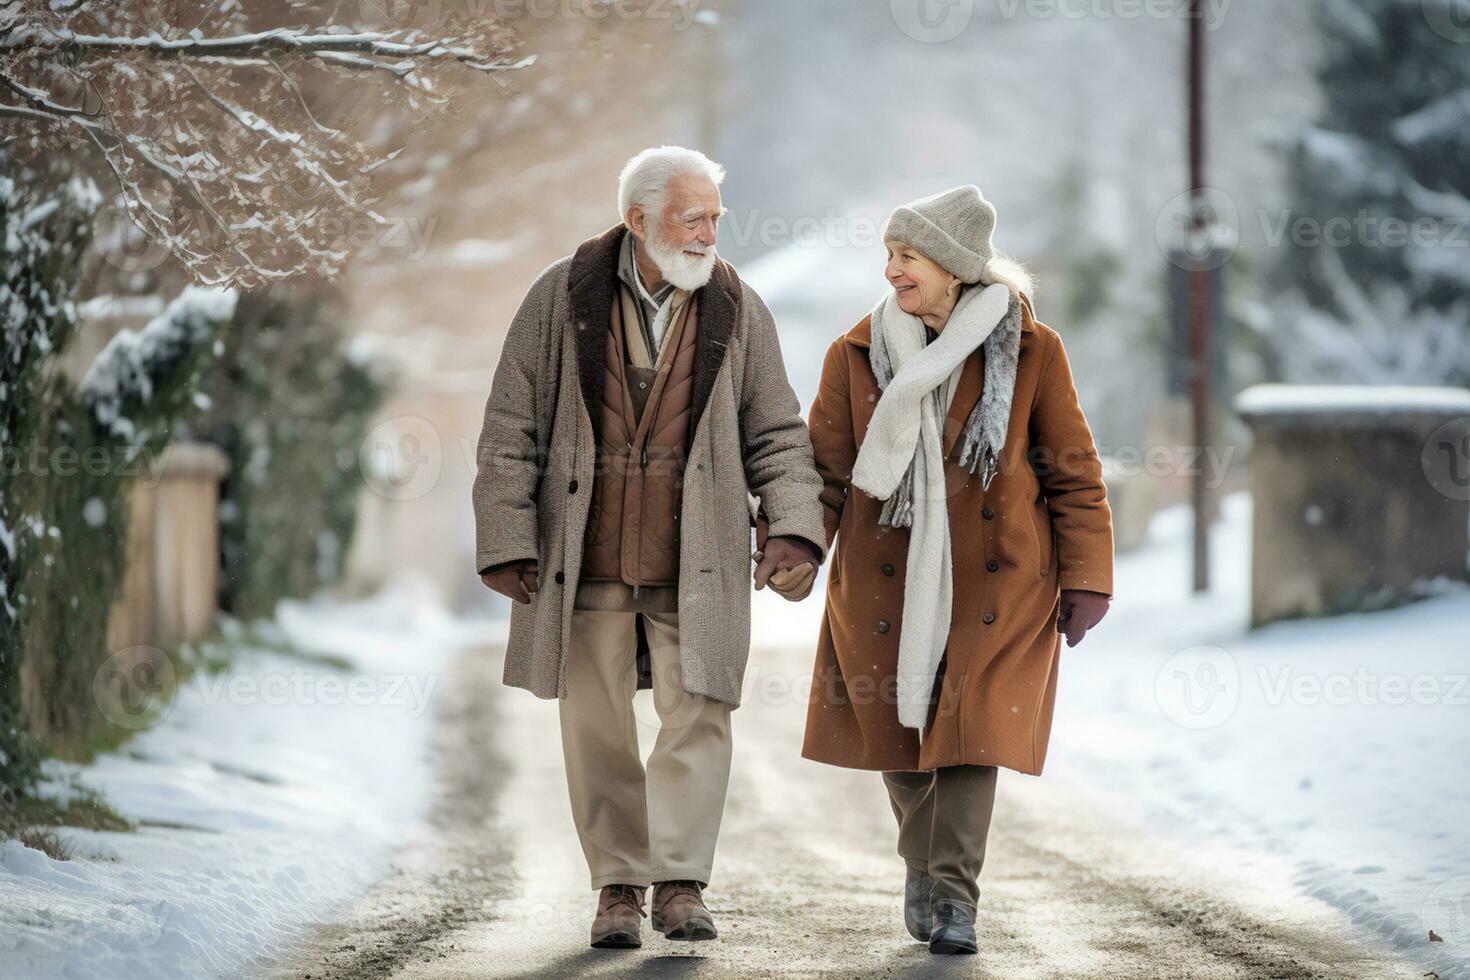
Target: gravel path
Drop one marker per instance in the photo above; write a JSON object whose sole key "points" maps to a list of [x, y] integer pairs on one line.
{"points": [[807, 883]]}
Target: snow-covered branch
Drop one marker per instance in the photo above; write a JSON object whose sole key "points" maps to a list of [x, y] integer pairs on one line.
{"points": [[406, 47], [250, 156]]}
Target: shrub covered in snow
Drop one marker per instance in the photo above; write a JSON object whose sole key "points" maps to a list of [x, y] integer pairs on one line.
{"points": [[125, 412], [289, 403], [150, 372], [42, 241], [72, 452]]}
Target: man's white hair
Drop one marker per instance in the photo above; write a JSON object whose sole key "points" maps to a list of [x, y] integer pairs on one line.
{"points": [[645, 178]]}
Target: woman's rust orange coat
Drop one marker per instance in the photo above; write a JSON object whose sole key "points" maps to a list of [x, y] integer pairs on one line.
{"points": [[1044, 525]]}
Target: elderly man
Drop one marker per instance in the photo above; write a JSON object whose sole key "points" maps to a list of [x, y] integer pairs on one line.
{"points": [[639, 408]]}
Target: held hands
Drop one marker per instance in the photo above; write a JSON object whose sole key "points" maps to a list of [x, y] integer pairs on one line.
{"points": [[788, 565], [1081, 611], [516, 580]]}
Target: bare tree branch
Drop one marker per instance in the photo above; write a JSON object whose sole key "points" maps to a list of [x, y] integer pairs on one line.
{"points": [[38, 99], [215, 143], [376, 44]]}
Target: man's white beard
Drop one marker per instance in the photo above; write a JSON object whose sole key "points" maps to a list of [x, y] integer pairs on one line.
{"points": [[686, 272]]}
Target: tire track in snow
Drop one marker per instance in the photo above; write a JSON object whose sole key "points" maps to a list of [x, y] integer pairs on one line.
{"points": [[446, 881]]}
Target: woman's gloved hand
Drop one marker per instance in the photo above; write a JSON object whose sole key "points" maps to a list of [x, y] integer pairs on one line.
{"points": [[794, 584], [1081, 611], [788, 565]]}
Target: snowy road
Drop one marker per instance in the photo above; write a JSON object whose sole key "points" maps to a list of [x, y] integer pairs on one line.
{"points": [[807, 883]]}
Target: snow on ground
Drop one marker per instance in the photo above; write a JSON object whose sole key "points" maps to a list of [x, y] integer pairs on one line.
{"points": [[1330, 753], [267, 799], [1334, 747]]}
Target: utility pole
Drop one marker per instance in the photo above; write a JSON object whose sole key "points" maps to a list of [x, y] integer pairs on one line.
{"points": [[1199, 294]]}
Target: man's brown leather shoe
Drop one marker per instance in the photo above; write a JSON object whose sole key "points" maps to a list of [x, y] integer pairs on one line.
{"points": [[679, 912], [619, 918]]}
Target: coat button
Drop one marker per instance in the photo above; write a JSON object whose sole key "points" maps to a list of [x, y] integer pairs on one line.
{"points": [[888, 570], [988, 618], [992, 565], [560, 578], [572, 487], [986, 512], [882, 626]]}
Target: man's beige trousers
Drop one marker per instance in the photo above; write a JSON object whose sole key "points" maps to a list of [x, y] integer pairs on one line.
{"points": [[943, 823], [639, 827]]}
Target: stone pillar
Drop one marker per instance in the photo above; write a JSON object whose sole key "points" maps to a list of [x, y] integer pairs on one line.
{"points": [[169, 588], [1361, 495]]}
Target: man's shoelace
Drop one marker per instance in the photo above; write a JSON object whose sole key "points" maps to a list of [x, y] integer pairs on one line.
{"points": [[672, 892], [629, 896]]}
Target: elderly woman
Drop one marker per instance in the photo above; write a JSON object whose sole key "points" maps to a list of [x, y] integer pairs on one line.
{"points": [[964, 492]]}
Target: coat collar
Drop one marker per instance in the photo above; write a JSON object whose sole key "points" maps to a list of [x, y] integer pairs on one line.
{"points": [[861, 335], [593, 282]]}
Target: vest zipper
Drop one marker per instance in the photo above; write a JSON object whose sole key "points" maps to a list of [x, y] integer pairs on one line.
{"points": [[643, 454], [643, 466]]}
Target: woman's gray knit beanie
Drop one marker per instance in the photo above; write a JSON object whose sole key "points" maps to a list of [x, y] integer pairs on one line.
{"points": [[952, 227]]}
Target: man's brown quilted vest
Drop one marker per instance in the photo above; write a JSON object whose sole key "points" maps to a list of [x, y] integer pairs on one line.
{"points": [[633, 526]]}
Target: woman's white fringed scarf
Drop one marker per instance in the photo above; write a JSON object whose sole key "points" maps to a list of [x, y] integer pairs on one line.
{"points": [[901, 460]]}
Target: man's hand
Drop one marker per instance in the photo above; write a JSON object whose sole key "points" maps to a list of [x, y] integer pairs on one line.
{"points": [[1081, 611], [516, 580], [786, 555]]}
